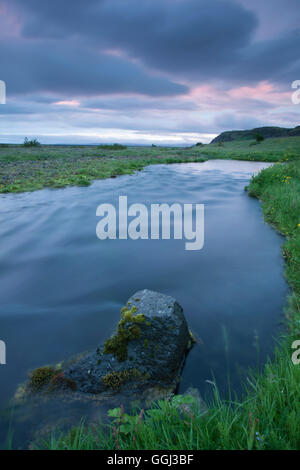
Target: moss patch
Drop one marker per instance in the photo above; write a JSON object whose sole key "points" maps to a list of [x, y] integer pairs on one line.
{"points": [[128, 330], [41, 377], [115, 380]]}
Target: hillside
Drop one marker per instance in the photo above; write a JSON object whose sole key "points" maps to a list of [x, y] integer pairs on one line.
{"points": [[266, 132]]}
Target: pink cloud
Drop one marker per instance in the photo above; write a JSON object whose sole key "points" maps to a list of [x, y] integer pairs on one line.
{"points": [[71, 103], [244, 98], [10, 24], [263, 91]]}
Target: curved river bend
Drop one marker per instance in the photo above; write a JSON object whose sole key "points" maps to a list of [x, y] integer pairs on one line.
{"points": [[62, 288]]}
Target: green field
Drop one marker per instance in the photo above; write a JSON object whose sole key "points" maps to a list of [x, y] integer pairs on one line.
{"points": [[272, 150], [33, 168]]}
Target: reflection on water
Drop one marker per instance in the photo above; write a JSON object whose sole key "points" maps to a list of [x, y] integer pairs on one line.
{"points": [[62, 288]]}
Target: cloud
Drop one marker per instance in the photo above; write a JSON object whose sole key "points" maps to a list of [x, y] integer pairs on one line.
{"points": [[228, 121], [69, 68], [135, 103], [168, 66], [190, 37], [274, 59], [276, 17]]}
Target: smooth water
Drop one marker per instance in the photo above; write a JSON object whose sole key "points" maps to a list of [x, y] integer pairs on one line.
{"points": [[62, 288]]}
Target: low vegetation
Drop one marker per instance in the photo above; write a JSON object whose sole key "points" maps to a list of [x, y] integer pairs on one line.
{"points": [[31, 143], [112, 147], [30, 169], [268, 150]]}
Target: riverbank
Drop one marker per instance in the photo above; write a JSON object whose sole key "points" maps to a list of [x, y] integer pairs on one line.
{"points": [[33, 168], [23, 169], [267, 416]]}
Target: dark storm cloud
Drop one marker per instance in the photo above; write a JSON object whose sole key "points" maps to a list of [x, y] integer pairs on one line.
{"points": [[49, 65], [186, 37], [191, 39], [276, 17], [277, 59]]}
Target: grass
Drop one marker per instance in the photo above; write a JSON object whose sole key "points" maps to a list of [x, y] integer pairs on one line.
{"points": [[32, 168], [279, 189], [270, 150], [29, 169], [267, 417]]}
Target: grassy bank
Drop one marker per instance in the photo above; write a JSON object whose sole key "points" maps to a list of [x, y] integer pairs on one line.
{"points": [[29, 169], [268, 415], [270, 150], [33, 168]]}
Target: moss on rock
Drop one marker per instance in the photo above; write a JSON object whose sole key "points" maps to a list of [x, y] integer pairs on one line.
{"points": [[127, 331], [115, 380], [41, 377]]}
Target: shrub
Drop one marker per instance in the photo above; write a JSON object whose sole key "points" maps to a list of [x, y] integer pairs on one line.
{"points": [[259, 138], [112, 147], [31, 143]]}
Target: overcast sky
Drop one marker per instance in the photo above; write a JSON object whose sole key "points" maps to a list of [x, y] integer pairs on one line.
{"points": [[146, 71]]}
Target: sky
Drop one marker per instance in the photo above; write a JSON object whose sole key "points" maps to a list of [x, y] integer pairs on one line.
{"points": [[146, 71]]}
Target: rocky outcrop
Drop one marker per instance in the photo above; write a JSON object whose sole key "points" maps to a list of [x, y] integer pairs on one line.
{"points": [[266, 132], [147, 351]]}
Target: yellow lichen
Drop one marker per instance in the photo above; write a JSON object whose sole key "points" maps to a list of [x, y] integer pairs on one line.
{"points": [[115, 380]]}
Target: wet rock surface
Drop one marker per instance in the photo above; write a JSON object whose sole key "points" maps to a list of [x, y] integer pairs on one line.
{"points": [[148, 348], [144, 356]]}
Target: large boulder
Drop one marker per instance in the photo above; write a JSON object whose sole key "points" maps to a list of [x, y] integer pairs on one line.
{"points": [[147, 349], [143, 358]]}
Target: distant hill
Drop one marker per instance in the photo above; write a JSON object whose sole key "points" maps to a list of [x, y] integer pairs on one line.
{"points": [[266, 132]]}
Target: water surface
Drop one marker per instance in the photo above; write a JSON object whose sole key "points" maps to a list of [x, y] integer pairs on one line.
{"points": [[62, 288]]}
